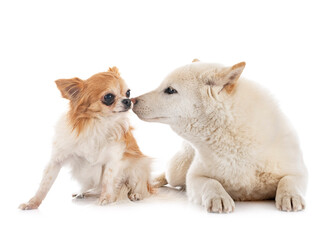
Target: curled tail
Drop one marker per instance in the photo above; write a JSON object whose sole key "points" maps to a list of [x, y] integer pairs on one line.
{"points": [[177, 168]]}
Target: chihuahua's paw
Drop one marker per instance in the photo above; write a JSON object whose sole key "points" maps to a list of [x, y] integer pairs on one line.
{"points": [[135, 196], [29, 205], [104, 199], [290, 202], [219, 204]]}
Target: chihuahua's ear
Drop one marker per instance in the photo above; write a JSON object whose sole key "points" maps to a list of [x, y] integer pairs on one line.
{"points": [[231, 76], [114, 70], [70, 88]]}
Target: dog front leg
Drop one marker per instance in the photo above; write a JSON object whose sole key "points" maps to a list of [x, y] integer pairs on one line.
{"points": [[179, 165], [289, 195], [50, 173], [106, 185], [208, 192]]}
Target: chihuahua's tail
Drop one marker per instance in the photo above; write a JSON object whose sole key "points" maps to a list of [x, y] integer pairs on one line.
{"points": [[160, 181]]}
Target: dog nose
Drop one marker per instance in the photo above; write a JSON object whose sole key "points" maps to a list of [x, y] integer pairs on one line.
{"points": [[126, 102], [134, 100]]}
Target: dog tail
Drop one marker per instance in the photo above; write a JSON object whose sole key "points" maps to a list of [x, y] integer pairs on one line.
{"points": [[160, 181]]}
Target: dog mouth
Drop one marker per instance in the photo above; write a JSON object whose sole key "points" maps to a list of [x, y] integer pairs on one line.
{"points": [[154, 119], [124, 110], [121, 111], [148, 119]]}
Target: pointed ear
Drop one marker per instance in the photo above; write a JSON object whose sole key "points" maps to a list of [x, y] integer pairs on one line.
{"points": [[195, 60], [70, 88], [232, 75], [114, 70]]}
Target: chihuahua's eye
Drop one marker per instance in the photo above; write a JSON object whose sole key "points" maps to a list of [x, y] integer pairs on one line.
{"points": [[170, 90], [108, 99], [128, 93]]}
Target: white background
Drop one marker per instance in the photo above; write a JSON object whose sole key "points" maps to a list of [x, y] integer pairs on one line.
{"points": [[286, 45]]}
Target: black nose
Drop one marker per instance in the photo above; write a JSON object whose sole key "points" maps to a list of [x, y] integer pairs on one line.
{"points": [[126, 102]]}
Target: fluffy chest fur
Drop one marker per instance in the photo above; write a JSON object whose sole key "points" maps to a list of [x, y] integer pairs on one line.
{"points": [[94, 144], [234, 159], [234, 149], [88, 152]]}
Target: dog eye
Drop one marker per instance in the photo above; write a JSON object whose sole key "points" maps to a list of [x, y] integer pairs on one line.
{"points": [[128, 93], [170, 90], [108, 99]]}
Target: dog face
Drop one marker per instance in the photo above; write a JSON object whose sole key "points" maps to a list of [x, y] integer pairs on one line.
{"points": [[102, 95], [188, 92]]}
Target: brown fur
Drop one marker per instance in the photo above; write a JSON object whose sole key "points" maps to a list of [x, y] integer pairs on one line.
{"points": [[85, 96], [264, 188], [160, 181], [230, 87], [151, 189], [133, 152], [90, 108], [231, 76], [132, 148]]}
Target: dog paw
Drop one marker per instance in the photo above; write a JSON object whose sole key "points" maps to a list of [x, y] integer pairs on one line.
{"points": [[290, 202], [29, 205], [135, 196], [220, 204], [104, 200]]}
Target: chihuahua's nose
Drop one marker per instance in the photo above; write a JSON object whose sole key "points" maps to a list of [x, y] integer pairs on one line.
{"points": [[134, 100], [126, 102]]}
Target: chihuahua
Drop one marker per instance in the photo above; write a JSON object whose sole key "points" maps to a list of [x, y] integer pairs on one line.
{"points": [[95, 139]]}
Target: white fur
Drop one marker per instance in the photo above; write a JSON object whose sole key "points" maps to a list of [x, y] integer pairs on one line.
{"points": [[96, 158], [243, 146]]}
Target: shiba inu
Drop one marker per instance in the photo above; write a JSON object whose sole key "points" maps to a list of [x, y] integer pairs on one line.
{"points": [[238, 145]]}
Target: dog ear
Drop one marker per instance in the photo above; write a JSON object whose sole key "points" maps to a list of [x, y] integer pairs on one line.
{"points": [[231, 76], [195, 60], [70, 88], [114, 70]]}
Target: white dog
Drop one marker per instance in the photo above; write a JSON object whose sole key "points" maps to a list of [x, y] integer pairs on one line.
{"points": [[241, 144]]}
